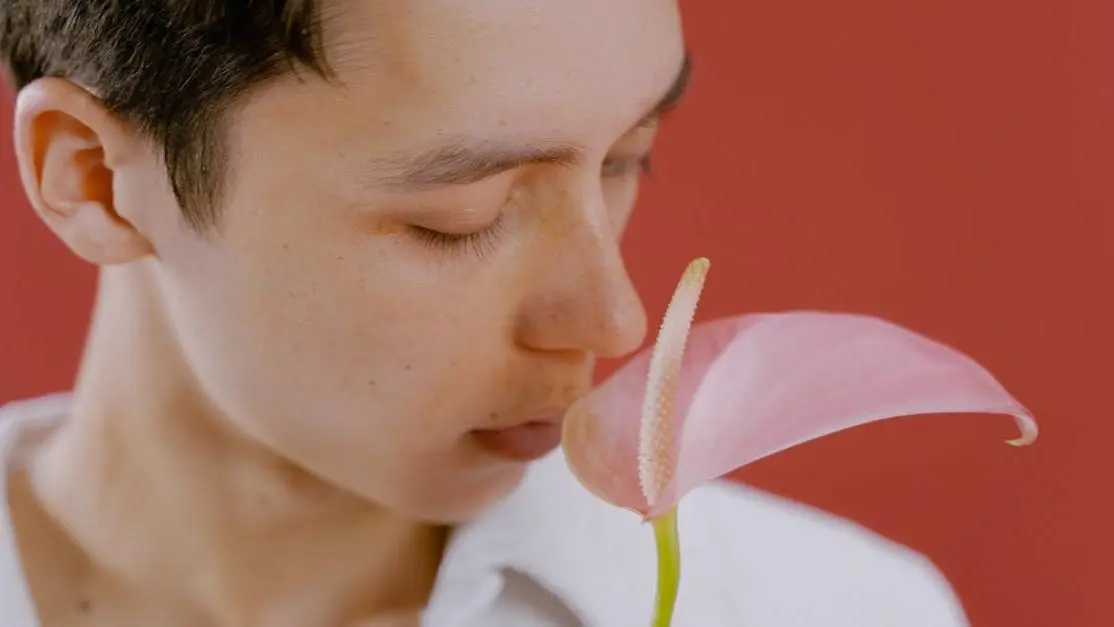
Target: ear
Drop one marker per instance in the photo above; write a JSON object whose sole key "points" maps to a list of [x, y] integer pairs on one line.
{"points": [[67, 145]]}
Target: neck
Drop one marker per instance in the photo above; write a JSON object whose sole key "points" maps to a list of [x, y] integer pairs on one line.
{"points": [[170, 502]]}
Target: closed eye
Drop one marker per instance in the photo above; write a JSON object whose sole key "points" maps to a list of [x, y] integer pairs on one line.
{"points": [[618, 167]]}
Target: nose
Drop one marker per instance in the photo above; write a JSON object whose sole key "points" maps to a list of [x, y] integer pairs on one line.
{"points": [[583, 299]]}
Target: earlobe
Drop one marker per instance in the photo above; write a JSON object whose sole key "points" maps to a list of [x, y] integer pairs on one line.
{"points": [[67, 146]]}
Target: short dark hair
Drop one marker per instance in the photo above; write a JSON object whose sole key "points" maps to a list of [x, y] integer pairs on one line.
{"points": [[172, 68]]}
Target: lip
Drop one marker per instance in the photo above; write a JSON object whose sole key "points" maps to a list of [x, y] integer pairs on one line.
{"points": [[526, 441]]}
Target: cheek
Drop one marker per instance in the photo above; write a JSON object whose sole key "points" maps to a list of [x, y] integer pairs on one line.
{"points": [[289, 333], [320, 366]]}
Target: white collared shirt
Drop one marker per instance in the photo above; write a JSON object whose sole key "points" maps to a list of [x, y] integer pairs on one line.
{"points": [[552, 555]]}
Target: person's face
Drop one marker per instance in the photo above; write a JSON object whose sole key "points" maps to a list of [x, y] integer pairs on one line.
{"points": [[369, 300]]}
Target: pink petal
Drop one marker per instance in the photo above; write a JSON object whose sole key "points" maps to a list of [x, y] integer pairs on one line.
{"points": [[755, 385], [601, 432]]}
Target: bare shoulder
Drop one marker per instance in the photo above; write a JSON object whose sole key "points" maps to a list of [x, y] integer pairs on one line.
{"points": [[798, 565]]}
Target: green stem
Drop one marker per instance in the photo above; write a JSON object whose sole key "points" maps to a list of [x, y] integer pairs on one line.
{"points": [[669, 567]]}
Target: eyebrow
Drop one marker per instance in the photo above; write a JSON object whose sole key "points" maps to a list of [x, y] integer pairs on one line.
{"points": [[465, 160]]}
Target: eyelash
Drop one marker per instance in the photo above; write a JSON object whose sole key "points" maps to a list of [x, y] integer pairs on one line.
{"points": [[480, 243], [642, 165]]}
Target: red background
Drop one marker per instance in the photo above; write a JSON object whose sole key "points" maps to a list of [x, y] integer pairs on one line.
{"points": [[948, 164]]}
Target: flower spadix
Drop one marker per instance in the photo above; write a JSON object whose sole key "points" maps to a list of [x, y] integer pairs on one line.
{"points": [[709, 399]]}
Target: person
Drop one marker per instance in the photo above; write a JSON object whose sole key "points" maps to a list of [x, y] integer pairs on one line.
{"points": [[356, 259]]}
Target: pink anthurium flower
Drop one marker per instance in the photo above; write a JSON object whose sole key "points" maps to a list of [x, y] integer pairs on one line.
{"points": [[747, 387]]}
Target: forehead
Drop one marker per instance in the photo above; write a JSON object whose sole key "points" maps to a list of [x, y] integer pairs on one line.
{"points": [[490, 67]]}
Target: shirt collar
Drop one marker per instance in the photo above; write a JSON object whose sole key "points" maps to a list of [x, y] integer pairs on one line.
{"points": [[18, 422], [589, 554]]}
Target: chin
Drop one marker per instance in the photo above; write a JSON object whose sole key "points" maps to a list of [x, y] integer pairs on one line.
{"points": [[456, 502]]}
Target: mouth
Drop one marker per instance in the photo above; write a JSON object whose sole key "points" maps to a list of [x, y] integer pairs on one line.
{"points": [[526, 441]]}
